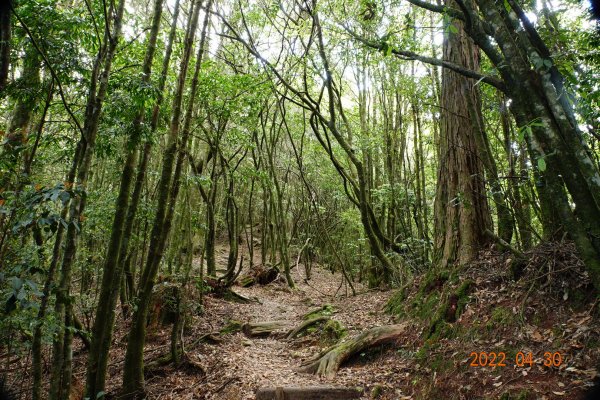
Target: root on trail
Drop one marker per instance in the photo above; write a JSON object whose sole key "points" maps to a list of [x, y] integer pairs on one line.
{"points": [[328, 362], [262, 329], [308, 393], [305, 325]]}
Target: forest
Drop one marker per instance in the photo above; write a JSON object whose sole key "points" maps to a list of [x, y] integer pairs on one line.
{"points": [[299, 199]]}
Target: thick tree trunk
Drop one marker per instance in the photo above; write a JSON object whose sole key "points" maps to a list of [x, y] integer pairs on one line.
{"points": [[461, 210], [536, 87], [505, 219]]}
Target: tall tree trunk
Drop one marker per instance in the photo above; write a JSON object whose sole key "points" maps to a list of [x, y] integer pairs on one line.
{"points": [[5, 35], [125, 256], [133, 377], [112, 269], [62, 353], [461, 209], [211, 229], [505, 219]]}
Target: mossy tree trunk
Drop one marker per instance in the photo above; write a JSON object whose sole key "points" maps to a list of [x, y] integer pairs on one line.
{"points": [[5, 35], [125, 255], [62, 352], [112, 271], [133, 377]]}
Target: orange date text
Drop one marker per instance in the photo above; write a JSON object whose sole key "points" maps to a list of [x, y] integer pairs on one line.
{"points": [[521, 359]]}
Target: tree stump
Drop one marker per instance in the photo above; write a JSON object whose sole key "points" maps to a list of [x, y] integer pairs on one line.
{"points": [[328, 362]]}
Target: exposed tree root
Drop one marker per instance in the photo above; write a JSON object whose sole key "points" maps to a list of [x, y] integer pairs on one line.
{"points": [[308, 393], [305, 325], [326, 309], [328, 362], [262, 329]]}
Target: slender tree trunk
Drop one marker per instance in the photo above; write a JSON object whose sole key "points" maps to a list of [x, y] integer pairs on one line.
{"points": [[210, 238], [112, 269], [133, 378], [62, 354], [125, 255], [5, 35]]}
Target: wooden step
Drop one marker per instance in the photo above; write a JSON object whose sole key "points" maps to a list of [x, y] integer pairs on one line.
{"points": [[308, 393]]}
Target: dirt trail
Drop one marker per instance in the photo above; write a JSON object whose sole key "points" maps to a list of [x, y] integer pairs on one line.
{"points": [[239, 365]]}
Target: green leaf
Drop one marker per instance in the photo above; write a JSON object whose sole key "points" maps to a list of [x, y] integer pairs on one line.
{"points": [[507, 6], [541, 164], [452, 28], [388, 50]]}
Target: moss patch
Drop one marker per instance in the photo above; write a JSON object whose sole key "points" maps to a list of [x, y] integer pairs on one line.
{"points": [[232, 326], [322, 311], [501, 316], [332, 332]]}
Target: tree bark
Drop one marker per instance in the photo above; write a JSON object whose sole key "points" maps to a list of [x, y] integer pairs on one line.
{"points": [[5, 35], [125, 255], [62, 354], [308, 393], [133, 377], [112, 271], [461, 209], [327, 363]]}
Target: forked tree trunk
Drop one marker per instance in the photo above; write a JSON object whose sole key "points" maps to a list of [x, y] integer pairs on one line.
{"points": [[62, 352], [125, 254]]}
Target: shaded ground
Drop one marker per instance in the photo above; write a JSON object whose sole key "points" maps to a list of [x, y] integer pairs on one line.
{"points": [[501, 316], [538, 313]]}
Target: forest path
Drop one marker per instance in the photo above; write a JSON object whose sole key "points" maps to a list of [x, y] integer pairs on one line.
{"points": [[239, 365]]}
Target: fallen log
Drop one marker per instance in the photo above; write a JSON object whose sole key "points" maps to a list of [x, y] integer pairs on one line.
{"points": [[262, 329], [328, 362], [305, 325], [308, 393]]}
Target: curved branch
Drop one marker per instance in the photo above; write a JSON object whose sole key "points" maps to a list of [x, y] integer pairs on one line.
{"points": [[452, 12], [409, 55]]}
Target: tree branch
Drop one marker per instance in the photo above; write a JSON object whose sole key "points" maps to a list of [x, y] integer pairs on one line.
{"points": [[409, 55]]}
